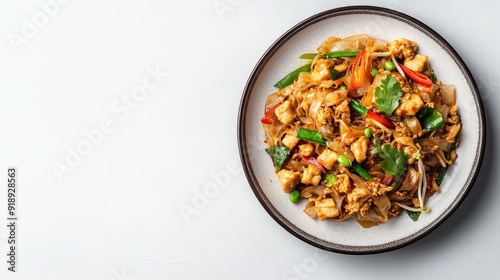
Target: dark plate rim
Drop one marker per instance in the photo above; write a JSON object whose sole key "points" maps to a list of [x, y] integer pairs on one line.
{"points": [[241, 131]]}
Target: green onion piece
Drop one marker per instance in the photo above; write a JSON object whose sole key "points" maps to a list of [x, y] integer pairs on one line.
{"points": [[433, 78], [329, 180], [361, 171], [430, 118], [374, 72], [308, 56], [294, 196], [335, 75], [344, 161], [356, 106], [278, 154], [337, 54], [290, 78], [311, 135], [442, 171], [413, 215]]}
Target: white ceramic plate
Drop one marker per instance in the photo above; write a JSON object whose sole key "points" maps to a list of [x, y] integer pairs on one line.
{"points": [[282, 57]]}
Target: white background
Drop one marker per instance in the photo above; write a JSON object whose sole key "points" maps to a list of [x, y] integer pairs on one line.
{"points": [[105, 169]]}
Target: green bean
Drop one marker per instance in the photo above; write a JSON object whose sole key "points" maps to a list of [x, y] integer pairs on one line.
{"points": [[292, 76]]}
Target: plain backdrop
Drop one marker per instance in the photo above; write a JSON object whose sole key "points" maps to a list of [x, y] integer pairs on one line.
{"points": [[117, 115]]}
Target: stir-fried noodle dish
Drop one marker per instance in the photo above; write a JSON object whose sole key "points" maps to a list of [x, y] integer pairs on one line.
{"points": [[363, 130]]}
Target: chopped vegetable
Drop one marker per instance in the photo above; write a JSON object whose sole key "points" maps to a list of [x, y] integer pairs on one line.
{"points": [[430, 118], [440, 176], [388, 95], [389, 65], [418, 77], [413, 214], [308, 56], [294, 196], [267, 118], [314, 161], [433, 78], [356, 106], [344, 161], [290, 78], [311, 135], [393, 160], [329, 180], [442, 171], [387, 180], [374, 72], [368, 132], [279, 154], [361, 171], [358, 71], [336, 54], [380, 119], [335, 75]]}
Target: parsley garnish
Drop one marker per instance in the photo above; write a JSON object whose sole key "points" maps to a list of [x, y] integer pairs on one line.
{"points": [[388, 95], [393, 160]]}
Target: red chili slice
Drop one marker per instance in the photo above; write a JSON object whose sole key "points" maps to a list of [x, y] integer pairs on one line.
{"points": [[381, 119], [418, 77]]}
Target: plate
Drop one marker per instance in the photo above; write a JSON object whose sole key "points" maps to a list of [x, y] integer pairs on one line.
{"points": [[282, 57]]}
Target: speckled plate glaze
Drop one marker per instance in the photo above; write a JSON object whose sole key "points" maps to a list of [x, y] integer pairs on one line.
{"points": [[282, 57]]}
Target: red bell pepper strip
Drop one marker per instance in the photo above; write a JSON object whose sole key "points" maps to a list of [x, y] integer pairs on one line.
{"points": [[385, 122], [358, 71], [267, 116], [418, 77]]}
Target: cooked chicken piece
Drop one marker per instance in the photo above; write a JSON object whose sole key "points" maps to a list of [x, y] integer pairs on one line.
{"points": [[454, 130], [377, 188], [409, 105], [289, 179], [356, 198], [284, 113], [324, 116], [403, 48], [326, 208], [416, 63], [343, 184], [343, 112], [416, 202], [321, 70], [335, 97], [327, 158], [306, 149], [311, 175], [290, 141], [359, 148], [453, 117], [434, 187]]}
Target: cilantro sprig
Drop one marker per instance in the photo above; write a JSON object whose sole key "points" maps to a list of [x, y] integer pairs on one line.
{"points": [[393, 160], [388, 95]]}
